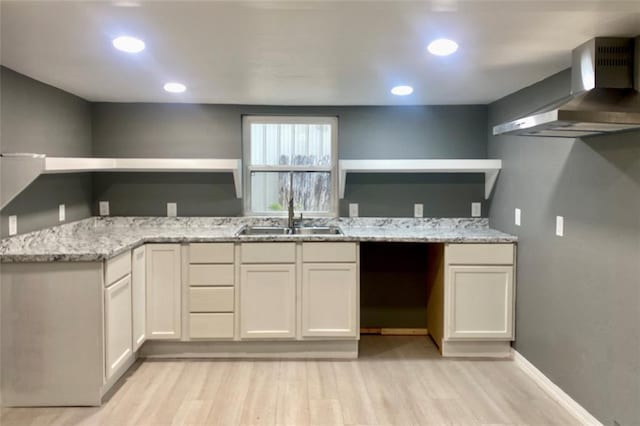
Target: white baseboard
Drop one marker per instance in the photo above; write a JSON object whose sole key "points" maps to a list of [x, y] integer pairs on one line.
{"points": [[557, 394]]}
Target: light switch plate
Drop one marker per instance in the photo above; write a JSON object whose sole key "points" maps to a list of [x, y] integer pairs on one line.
{"points": [[476, 209], [62, 213], [560, 226], [518, 217], [353, 209], [13, 225], [104, 208], [418, 210], [172, 209]]}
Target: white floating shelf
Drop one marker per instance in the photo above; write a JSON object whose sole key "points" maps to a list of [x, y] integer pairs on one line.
{"points": [[193, 165], [490, 168], [19, 170]]}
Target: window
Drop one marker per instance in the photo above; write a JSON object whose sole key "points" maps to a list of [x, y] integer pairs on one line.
{"points": [[286, 156]]}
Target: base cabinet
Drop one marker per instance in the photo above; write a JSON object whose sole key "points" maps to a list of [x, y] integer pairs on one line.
{"points": [[163, 291], [119, 344], [267, 301], [477, 316], [329, 300]]}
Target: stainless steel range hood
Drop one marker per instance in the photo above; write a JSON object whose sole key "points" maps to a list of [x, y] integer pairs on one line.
{"points": [[605, 80]]}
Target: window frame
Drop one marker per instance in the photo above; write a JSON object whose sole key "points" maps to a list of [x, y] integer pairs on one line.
{"points": [[247, 168]]}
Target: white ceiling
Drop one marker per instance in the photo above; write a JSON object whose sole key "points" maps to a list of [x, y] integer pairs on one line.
{"points": [[303, 52]]}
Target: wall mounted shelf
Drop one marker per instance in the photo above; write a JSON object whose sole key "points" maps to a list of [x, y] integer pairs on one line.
{"points": [[19, 170], [490, 169]]}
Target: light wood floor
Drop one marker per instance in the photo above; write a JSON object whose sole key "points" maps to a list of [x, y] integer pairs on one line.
{"points": [[396, 380]]}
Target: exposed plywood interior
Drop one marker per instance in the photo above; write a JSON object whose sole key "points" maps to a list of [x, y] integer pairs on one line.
{"points": [[435, 293]]}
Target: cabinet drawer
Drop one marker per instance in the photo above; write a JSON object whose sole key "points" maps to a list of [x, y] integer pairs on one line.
{"points": [[329, 252], [211, 253], [211, 275], [117, 268], [206, 299], [211, 326], [268, 252], [479, 254]]}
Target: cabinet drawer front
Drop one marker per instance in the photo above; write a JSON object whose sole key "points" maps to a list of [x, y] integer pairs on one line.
{"points": [[211, 326], [268, 252], [117, 268], [329, 252], [479, 254], [205, 299], [211, 253], [211, 275]]}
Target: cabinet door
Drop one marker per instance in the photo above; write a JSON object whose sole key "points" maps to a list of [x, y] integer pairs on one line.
{"points": [[163, 291], [480, 302], [117, 306], [329, 300], [139, 296], [267, 301]]}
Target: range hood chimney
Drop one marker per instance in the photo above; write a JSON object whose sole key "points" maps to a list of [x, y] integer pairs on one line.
{"points": [[605, 98]]}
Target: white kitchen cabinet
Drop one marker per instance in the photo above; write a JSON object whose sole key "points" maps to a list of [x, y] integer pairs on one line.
{"points": [[119, 345], [329, 300], [471, 299], [480, 302], [139, 296], [267, 301], [163, 291]]}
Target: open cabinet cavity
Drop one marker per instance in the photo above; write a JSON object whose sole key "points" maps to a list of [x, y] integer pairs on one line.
{"points": [[461, 295]]}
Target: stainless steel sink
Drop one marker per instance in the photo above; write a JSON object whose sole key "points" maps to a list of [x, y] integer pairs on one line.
{"points": [[264, 230], [318, 230], [279, 230]]}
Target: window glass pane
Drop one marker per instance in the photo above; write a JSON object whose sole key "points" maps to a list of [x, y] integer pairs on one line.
{"points": [[274, 144], [270, 192]]}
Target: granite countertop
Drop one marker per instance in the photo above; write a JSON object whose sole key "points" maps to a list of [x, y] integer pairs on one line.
{"points": [[99, 238]]}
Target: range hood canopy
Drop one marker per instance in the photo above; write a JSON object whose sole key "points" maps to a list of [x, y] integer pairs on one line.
{"points": [[605, 98]]}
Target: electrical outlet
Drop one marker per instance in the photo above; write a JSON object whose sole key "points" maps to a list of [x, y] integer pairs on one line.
{"points": [[172, 209], [13, 225], [62, 213], [353, 209], [518, 217], [418, 210], [560, 226], [104, 208], [476, 209]]}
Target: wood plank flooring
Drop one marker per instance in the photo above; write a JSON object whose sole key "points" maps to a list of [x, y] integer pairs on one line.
{"points": [[396, 381]]}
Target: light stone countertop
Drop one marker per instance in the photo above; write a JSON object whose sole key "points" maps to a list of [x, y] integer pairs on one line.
{"points": [[99, 238]]}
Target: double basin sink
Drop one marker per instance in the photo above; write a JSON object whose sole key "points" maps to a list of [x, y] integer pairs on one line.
{"points": [[282, 230]]}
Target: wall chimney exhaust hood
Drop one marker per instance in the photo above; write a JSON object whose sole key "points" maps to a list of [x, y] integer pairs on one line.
{"points": [[605, 98]]}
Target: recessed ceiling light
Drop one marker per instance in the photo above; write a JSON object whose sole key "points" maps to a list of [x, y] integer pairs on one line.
{"points": [[174, 87], [402, 90], [442, 47], [128, 44]]}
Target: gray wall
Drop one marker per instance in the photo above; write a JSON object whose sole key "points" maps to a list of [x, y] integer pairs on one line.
{"points": [[38, 118], [578, 297], [175, 130]]}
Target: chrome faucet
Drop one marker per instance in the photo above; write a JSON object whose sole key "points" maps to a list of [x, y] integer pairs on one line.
{"points": [[290, 220]]}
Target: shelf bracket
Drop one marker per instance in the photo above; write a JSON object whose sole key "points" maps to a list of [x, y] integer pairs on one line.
{"points": [[17, 171]]}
